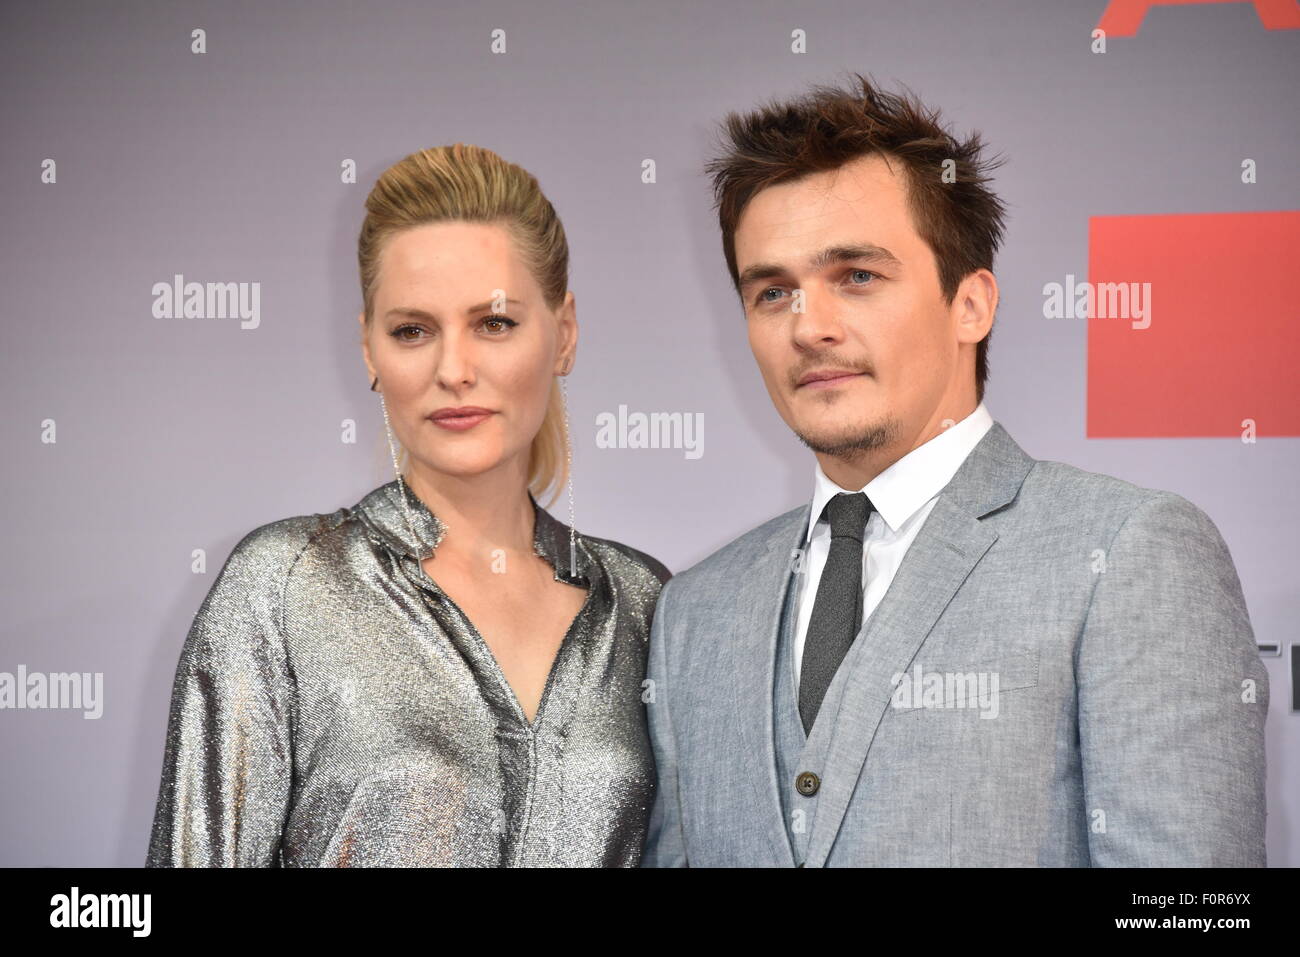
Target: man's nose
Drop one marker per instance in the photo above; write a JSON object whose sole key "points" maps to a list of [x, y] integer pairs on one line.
{"points": [[816, 322]]}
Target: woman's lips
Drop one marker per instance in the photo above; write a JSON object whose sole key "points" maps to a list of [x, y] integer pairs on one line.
{"points": [[459, 423]]}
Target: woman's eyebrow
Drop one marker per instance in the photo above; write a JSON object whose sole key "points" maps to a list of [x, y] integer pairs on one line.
{"points": [[415, 313]]}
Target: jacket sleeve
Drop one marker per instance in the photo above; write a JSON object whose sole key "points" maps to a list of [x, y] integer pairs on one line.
{"points": [[665, 841], [1172, 698], [227, 764]]}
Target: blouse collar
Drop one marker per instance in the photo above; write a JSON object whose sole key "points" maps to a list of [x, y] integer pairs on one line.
{"points": [[385, 515]]}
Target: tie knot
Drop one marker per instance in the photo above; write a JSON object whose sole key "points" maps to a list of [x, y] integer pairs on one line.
{"points": [[848, 513]]}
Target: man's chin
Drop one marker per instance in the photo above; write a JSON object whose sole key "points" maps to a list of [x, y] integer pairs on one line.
{"points": [[849, 441]]}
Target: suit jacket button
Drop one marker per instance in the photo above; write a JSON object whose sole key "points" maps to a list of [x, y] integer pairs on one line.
{"points": [[807, 783]]}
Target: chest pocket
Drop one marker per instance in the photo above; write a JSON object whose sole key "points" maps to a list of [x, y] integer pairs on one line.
{"points": [[955, 686]]}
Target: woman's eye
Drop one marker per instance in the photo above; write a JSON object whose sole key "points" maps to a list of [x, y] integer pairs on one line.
{"points": [[499, 324], [398, 333]]}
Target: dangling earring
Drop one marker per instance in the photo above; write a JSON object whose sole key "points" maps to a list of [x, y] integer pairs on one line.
{"points": [[568, 451], [392, 447]]}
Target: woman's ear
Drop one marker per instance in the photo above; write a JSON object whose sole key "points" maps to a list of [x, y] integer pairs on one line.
{"points": [[568, 320], [365, 347]]}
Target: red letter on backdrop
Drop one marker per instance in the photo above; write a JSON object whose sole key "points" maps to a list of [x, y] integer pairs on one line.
{"points": [[1122, 18]]}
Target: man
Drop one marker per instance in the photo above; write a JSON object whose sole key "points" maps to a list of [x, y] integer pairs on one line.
{"points": [[955, 654]]}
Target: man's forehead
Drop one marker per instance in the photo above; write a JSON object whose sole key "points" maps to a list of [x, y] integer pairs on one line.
{"points": [[792, 219], [866, 181]]}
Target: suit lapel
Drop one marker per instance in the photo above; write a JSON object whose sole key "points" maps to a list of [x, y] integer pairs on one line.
{"points": [[753, 650], [945, 551]]}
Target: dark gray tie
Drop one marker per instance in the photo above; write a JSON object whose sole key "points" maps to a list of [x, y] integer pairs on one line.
{"points": [[837, 610]]}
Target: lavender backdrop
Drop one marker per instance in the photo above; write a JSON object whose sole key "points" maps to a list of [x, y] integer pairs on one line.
{"points": [[227, 166]]}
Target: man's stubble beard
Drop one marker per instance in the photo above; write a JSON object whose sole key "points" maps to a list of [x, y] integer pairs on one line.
{"points": [[854, 444]]}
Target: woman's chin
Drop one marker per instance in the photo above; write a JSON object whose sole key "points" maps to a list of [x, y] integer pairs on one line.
{"points": [[465, 463]]}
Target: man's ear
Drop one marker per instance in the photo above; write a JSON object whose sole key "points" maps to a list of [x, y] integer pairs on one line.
{"points": [[976, 302]]}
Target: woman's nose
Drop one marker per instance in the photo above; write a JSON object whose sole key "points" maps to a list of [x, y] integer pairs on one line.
{"points": [[455, 362]]}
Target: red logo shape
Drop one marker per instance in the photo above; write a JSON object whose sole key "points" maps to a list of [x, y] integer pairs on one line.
{"points": [[1122, 18], [1221, 342]]}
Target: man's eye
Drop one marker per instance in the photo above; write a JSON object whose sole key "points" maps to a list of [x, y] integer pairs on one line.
{"points": [[763, 297], [863, 272]]}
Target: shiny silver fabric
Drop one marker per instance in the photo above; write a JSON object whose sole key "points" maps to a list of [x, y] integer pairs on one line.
{"points": [[333, 707]]}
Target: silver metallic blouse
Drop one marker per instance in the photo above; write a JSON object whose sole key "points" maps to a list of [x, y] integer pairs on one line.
{"points": [[334, 708]]}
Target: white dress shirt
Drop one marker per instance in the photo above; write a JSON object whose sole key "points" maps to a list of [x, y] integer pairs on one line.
{"points": [[903, 495]]}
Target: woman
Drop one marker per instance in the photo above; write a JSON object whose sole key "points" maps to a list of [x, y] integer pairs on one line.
{"points": [[443, 674]]}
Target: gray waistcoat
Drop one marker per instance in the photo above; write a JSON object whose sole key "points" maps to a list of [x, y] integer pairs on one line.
{"points": [[797, 752]]}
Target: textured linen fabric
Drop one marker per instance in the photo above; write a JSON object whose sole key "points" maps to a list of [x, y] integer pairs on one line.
{"points": [[333, 707], [1128, 727]]}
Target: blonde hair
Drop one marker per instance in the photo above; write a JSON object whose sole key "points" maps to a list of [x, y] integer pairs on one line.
{"points": [[472, 184]]}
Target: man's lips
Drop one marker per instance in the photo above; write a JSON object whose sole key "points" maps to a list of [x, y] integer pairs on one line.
{"points": [[828, 379]]}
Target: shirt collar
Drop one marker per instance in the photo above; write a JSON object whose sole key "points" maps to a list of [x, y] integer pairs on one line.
{"points": [[386, 517], [900, 490]]}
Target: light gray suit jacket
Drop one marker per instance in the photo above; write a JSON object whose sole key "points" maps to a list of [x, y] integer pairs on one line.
{"points": [[1130, 720]]}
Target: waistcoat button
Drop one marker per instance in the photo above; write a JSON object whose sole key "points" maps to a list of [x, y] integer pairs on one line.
{"points": [[807, 783]]}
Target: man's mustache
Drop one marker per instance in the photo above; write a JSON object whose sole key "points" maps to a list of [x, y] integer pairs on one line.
{"points": [[829, 370]]}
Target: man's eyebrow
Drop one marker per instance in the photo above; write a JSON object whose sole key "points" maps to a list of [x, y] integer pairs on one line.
{"points": [[831, 254], [414, 313]]}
